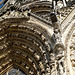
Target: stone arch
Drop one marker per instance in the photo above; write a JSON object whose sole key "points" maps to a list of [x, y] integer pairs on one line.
{"points": [[69, 53], [26, 45]]}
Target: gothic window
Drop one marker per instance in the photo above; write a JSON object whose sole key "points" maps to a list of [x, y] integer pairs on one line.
{"points": [[2, 2], [1, 5], [15, 71]]}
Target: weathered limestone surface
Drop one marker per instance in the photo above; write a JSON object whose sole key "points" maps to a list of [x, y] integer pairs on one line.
{"points": [[31, 43]]}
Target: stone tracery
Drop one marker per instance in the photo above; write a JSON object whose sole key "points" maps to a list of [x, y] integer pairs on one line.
{"points": [[26, 41]]}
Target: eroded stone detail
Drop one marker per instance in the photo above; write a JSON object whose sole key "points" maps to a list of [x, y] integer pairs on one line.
{"points": [[29, 46]]}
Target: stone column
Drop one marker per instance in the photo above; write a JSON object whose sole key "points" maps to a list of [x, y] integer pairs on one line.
{"points": [[64, 3]]}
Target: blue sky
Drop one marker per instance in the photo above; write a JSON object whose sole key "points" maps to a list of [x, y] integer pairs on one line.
{"points": [[1, 5]]}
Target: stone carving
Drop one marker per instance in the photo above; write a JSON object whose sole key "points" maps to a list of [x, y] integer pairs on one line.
{"points": [[32, 43], [58, 46]]}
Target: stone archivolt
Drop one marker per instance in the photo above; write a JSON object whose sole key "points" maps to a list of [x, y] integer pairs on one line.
{"points": [[29, 41], [25, 45]]}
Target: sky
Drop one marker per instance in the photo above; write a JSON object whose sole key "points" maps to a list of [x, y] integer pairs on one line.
{"points": [[1, 5]]}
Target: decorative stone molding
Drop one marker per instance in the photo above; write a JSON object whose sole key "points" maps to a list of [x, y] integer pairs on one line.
{"points": [[32, 42]]}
